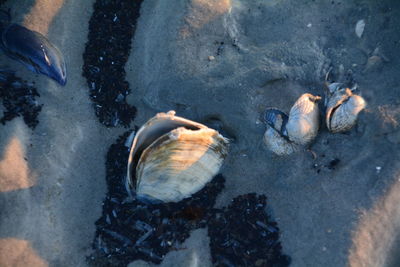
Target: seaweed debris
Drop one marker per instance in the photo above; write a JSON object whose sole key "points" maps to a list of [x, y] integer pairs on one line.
{"points": [[19, 99], [242, 234], [111, 29], [131, 230]]}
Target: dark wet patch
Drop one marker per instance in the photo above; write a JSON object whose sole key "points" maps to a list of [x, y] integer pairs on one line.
{"points": [[242, 234], [220, 47], [330, 165], [333, 163], [131, 230], [111, 29], [19, 99]]}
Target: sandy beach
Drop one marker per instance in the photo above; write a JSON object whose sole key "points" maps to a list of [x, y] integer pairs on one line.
{"points": [[50, 205], [224, 61]]}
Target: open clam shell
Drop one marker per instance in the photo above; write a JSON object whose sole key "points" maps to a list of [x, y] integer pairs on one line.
{"points": [[275, 137], [342, 110], [172, 158], [303, 124]]}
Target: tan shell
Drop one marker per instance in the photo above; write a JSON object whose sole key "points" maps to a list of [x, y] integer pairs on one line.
{"points": [[179, 164], [277, 143], [172, 158], [303, 123], [342, 110]]}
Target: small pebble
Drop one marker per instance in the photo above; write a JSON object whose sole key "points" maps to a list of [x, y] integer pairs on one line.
{"points": [[211, 58], [378, 169]]}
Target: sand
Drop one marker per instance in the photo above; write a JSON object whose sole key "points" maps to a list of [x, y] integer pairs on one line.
{"points": [[60, 165], [272, 52]]}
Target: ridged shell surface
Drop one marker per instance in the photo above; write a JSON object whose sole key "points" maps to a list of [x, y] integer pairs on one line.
{"points": [[277, 143], [303, 123], [275, 137], [172, 157], [342, 110], [179, 164]]}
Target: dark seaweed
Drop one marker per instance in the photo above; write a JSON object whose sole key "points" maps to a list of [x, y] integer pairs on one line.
{"points": [[111, 29], [19, 99], [130, 230], [242, 234]]}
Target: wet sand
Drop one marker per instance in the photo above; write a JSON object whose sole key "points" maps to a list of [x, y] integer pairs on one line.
{"points": [[53, 213], [271, 54]]}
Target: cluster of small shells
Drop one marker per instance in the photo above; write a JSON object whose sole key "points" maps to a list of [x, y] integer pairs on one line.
{"points": [[285, 134], [172, 158]]}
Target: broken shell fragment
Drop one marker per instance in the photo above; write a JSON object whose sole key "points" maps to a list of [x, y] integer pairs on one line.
{"points": [[360, 28], [172, 158], [303, 123], [342, 110]]}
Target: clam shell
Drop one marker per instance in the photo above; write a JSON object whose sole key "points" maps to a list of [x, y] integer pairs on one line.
{"points": [[275, 137], [342, 110], [172, 158], [303, 124], [277, 143], [179, 164]]}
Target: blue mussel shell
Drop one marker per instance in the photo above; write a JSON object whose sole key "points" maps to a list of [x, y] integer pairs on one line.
{"points": [[271, 116], [35, 51]]}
